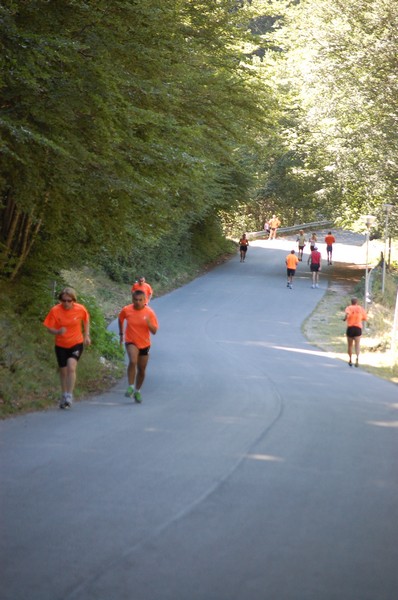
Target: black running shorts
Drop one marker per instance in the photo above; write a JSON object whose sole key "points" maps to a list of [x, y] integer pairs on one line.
{"points": [[141, 351], [353, 332], [63, 354]]}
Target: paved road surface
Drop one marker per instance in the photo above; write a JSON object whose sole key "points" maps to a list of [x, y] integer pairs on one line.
{"points": [[257, 467]]}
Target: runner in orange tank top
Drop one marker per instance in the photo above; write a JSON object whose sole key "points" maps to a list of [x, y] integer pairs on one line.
{"points": [[354, 315]]}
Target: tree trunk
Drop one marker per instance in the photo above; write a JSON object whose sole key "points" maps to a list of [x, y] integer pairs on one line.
{"points": [[18, 234]]}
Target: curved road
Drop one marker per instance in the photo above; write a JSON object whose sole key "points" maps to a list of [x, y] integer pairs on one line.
{"points": [[257, 467]]}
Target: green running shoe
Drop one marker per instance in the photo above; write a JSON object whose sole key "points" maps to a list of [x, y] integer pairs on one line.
{"points": [[137, 397], [129, 392]]}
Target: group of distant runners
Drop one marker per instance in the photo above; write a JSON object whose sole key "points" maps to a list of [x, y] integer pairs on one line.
{"points": [[69, 322], [314, 260], [355, 315], [292, 260]]}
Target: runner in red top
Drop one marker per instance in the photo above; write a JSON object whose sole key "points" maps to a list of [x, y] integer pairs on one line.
{"points": [[141, 284], [65, 321], [141, 322], [354, 315], [314, 261], [329, 241]]}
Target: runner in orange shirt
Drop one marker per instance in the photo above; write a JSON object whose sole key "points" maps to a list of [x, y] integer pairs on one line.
{"points": [[141, 284], [65, 321], [141, 321], [243, 244], [329, 241], [291, 266], [354, 315]]}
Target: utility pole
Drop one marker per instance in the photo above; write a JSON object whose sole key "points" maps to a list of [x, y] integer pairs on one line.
{"points": [[388, 208], [369, 221]]}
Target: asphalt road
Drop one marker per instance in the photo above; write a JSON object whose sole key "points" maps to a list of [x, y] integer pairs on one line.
{"points": [[257, 467]]}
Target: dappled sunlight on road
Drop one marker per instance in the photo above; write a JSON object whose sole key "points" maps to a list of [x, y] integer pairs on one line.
{"points": [[370, 359], [312, 352], [393, 424], [365, 357], [265, 457]]}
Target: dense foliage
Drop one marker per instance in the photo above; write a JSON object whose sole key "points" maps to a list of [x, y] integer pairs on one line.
{"points": [[120, 122], [336, 72]]}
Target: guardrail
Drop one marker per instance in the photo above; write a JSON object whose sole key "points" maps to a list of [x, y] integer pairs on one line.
{"points": [[305, 226]]}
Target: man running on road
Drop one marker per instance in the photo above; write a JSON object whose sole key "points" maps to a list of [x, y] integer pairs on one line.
{"points": [[329, 241], [141, 284], [274, 223], [291, 266], [141, 322]]}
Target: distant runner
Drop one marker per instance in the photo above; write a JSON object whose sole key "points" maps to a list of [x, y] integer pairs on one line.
{"points": [[141, 284], [291, 266], [301, 240], [313, 241], [329, 241], [354, 315], [274, 223], [315, 266], [243, 245]]}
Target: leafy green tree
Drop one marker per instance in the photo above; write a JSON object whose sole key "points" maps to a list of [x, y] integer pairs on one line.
{"points": [[119, 121], [341, 61]]}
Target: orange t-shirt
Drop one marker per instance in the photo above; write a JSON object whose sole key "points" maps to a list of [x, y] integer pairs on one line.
{"points": [[355, 315], [137, 331], [72, 319], [243, 242], [329, 240], [144, 287], [291, 261]]}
